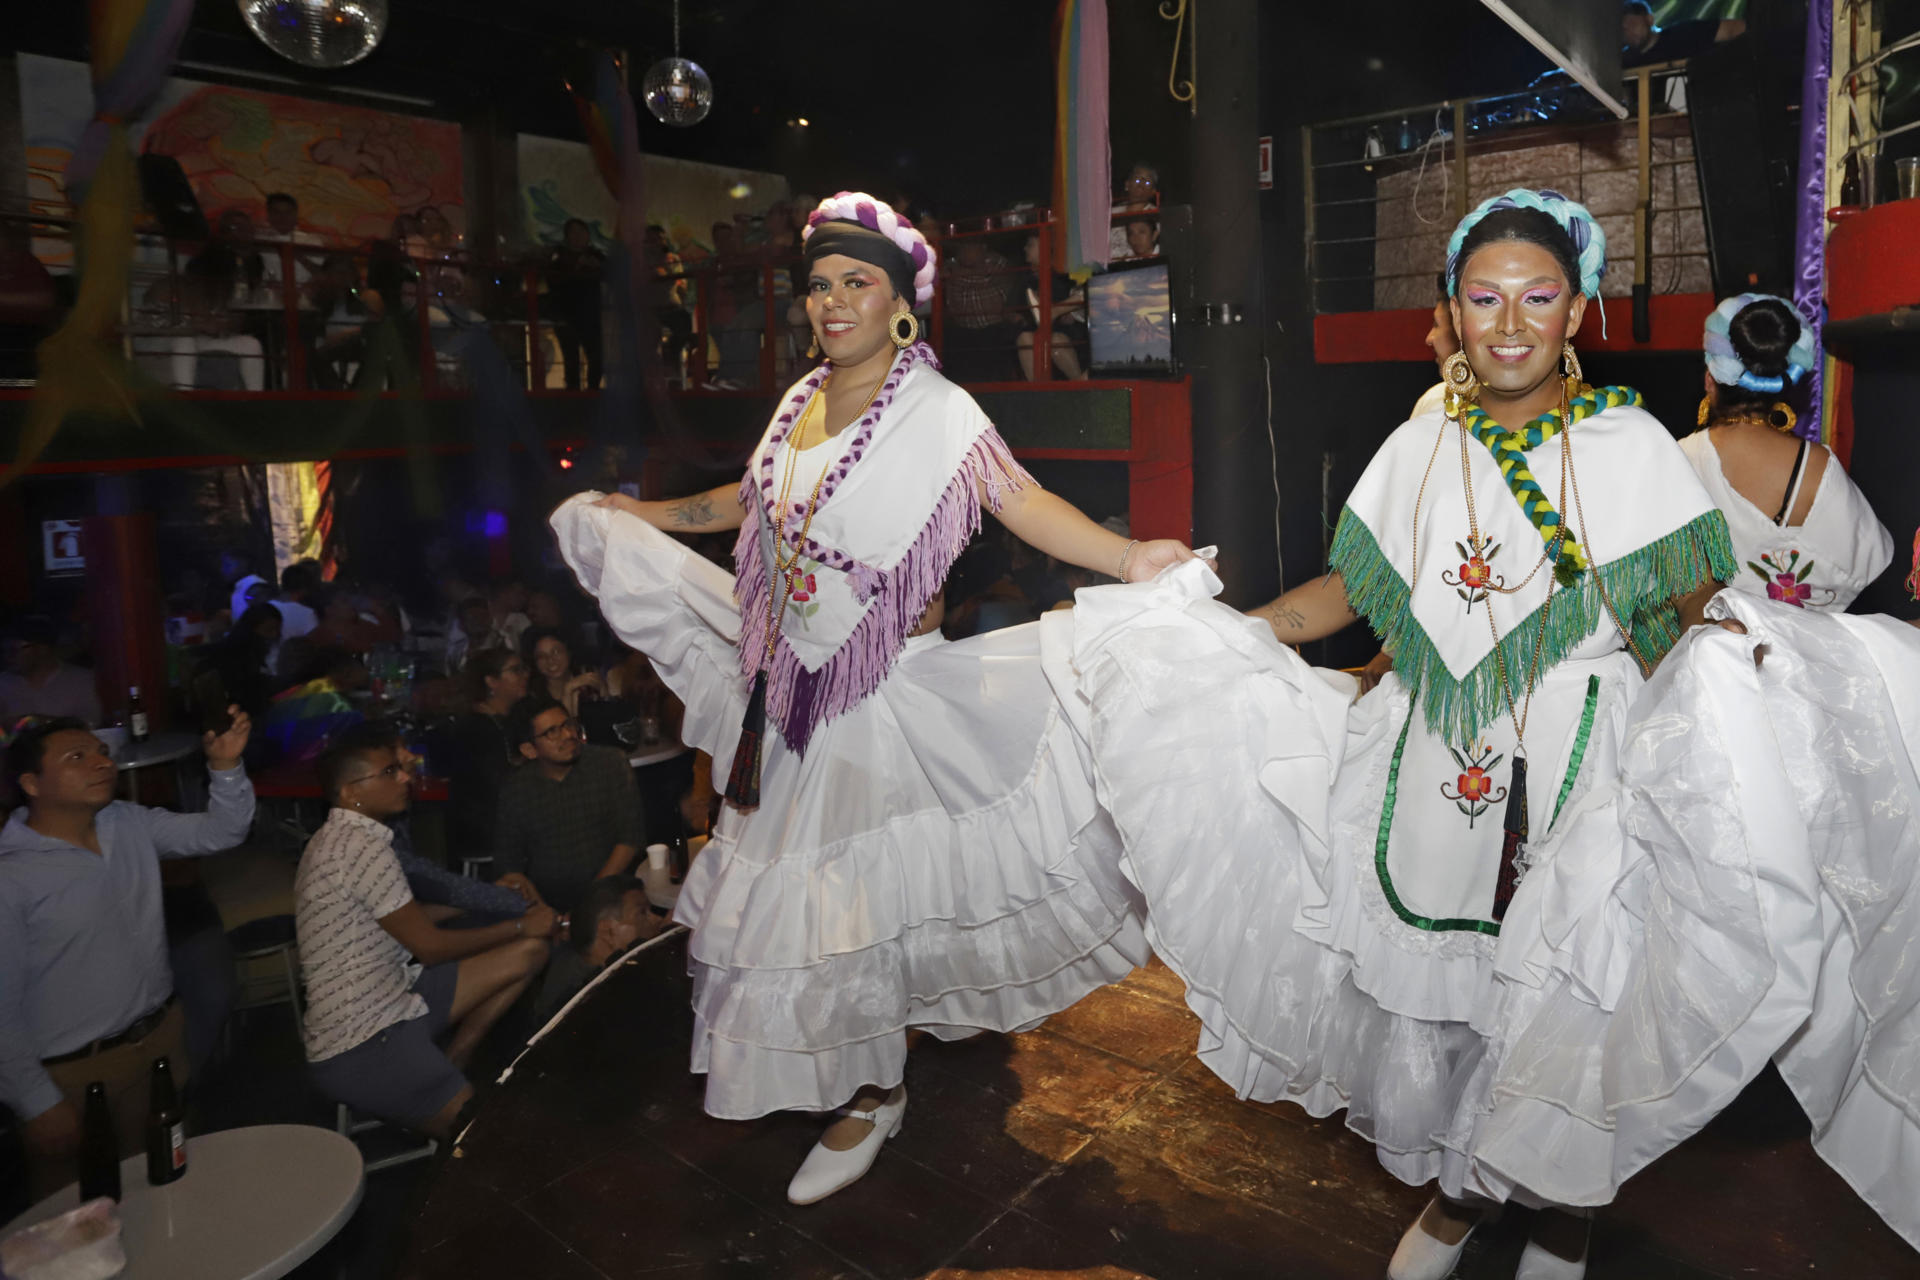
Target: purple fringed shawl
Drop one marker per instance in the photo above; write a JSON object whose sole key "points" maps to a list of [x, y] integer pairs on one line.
{"points": [[895, 593]]}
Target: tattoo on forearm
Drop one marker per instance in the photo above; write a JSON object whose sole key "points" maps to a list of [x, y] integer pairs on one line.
{"points": [[1284, 616], [691, 511]]}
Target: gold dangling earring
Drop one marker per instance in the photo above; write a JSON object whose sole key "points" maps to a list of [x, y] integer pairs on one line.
{"points": [[1462, 385], [813, 347], [1785, 410], [1570, 363], [912, 334], [1706, 411]]}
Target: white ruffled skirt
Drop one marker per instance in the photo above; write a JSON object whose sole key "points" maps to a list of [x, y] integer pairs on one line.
{"points": [[1664, 943], [936, 859]]}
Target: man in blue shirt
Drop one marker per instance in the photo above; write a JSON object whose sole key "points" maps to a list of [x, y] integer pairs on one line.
{"points": [[85, 989]]}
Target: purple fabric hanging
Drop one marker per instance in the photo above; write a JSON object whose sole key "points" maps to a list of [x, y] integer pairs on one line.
{"points": [[1810, 206]]}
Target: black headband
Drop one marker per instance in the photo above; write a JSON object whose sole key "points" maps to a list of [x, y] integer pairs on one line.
{"points": [[851, 240]]}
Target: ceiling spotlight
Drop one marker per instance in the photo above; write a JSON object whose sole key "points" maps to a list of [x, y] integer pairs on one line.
{"points": [[803, 122]]}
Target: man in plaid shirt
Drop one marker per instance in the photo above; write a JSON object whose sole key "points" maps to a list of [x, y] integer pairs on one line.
{"points": [[571, 814]]}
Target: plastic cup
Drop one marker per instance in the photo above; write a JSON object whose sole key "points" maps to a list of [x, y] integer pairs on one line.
{"points": [[1906, 177], [657, 857]]}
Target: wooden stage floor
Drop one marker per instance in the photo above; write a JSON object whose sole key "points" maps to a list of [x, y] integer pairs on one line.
{"points": [[1096, 1148]]}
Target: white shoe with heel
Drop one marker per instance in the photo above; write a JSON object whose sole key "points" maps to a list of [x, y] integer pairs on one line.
{"points": [[826, 1171], [1421, 1256]]}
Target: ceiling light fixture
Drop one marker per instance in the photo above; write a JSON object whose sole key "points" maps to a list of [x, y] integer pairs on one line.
{"points": [[676, 89], [323, 34]]}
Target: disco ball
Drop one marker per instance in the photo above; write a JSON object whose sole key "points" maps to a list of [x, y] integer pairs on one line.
{"points": [[317, 33], [677, 92]]}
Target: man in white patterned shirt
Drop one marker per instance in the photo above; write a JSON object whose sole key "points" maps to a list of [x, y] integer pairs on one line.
{"points": [[384, 982]]}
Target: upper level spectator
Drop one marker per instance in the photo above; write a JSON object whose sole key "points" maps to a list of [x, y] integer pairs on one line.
{"points": [[1143, 238], [38, 682], [1139, 193], [571, 813], [980, 326], [1645, 42], [86, 992], [573, 291]]}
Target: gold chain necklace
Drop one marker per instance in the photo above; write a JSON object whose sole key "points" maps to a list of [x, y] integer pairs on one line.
{"points": [[784, 562]]}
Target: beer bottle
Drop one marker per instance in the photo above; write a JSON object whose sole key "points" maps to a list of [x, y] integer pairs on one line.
{"points": [[166, 1128], [136, 715], [678, 859], [99, 1148]]}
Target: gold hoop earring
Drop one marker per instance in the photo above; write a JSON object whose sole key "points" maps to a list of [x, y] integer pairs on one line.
{"points": [[1570, 362], [912, 334], [1785, 410], [1461, 383], [1706, 410], [813, 347]]}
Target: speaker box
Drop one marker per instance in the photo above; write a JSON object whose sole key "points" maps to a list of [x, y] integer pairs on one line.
{"points": [[1742, 149], [170, 199]]}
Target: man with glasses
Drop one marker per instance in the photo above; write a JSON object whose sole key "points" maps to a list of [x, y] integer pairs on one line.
{"points": [[385, 984], [86, 988], [571, 813]]}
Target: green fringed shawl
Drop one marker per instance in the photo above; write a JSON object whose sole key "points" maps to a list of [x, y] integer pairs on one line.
{"points": [[1642, 584]]}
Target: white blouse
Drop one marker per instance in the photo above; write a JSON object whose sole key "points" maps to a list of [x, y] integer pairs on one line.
{"points": [[1822, 563]]}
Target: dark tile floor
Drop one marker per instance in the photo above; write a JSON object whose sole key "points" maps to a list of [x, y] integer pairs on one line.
{"points": [[1095, 1148]]}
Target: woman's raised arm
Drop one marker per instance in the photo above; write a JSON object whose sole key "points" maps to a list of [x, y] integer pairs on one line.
{"points": [[716, 509]]}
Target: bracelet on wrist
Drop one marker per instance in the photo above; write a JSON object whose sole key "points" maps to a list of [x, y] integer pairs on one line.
{"points": [[1125, 556]]}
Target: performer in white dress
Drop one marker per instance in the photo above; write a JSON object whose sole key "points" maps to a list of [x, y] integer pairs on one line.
{"points": [[1803, 533], [1382, 909], [911, 838]]}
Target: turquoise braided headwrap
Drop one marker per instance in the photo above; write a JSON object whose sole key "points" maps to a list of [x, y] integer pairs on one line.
{"points": [[1724, 363], [1589, 241]]}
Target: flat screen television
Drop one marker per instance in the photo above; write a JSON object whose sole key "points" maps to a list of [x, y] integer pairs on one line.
{"points": [[1130, 320]]}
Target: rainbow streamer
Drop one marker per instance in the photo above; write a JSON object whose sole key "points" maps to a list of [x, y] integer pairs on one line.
{"points": [[134, 43], [1082, 155]]}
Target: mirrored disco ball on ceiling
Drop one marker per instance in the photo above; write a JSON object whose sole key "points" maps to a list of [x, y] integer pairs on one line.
{"points": [[677, 91], [317, 33]]}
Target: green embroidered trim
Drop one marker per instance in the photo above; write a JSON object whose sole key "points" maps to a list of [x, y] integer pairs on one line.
{"points": [[1579, 748], [1642, 585], [1509, 451], [1380, 855]]}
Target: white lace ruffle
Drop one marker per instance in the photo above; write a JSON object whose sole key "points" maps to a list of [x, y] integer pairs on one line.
{"points": [[936, 859]]}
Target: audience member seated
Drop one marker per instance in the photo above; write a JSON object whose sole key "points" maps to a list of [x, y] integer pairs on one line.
{"points": [[206, 350], [571, 813], [495, 622], [301, 579], [303, 719], [560, 677], [349, 620], [1143, 238], [385, 984], [240, 659], [1070, 337], [980, 327], [483, 754], [1139, 193], [86, 992], [613, 914], [37, 682]]}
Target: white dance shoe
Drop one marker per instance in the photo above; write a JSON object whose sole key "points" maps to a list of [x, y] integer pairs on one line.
{"points": [[1424, 1257], [824, 1172], [1541, 1263]]}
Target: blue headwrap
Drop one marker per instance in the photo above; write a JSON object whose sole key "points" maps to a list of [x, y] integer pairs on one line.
{"points": [[1589, 241], [1724, 363]]}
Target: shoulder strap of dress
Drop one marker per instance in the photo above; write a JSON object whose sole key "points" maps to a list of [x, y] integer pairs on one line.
{"points": [[1793, 485]]}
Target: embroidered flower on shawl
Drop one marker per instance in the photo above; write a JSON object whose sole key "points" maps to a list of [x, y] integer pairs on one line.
{"points": [[1475, 574]]}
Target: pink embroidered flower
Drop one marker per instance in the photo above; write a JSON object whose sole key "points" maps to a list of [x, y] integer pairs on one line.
{"points": [[1790, 589], [1474, 784], [803, 586]]}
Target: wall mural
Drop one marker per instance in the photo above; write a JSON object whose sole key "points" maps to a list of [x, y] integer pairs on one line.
{"points": [[353, 169]]}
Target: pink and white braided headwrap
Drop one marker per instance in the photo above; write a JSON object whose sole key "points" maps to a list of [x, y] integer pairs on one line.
{"points": [[877, 215]]}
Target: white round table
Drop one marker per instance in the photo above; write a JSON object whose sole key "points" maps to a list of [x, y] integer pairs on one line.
{"points": [[161, 748], [255, 1203]]}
